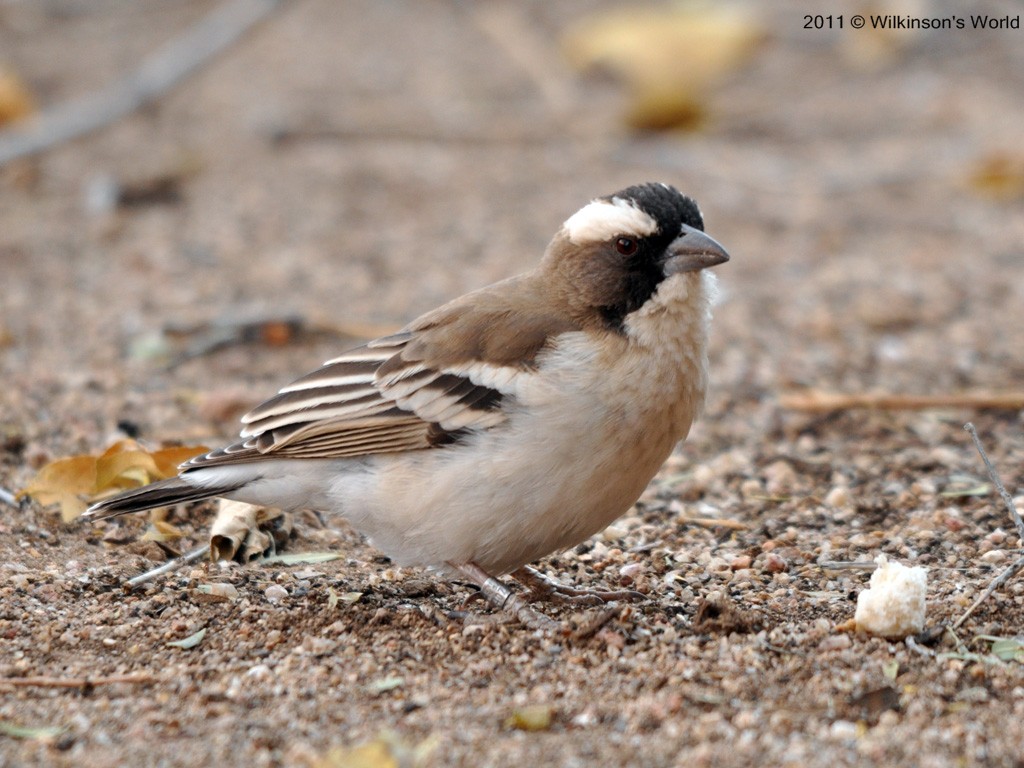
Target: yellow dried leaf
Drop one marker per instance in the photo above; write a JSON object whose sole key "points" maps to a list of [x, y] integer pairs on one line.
{"points": [[71, 507], [63, 477], [535, 717], [376, 754], [666, 109], [162, 531], [998, 176], [16, 101], [71, 480], [120, 447], [126, 468], [669, 58], [386, 751], [168, 460]]}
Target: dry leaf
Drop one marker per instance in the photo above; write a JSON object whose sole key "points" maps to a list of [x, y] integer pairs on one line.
{"points": [[294, 558], [386, 751], [16, 101], [160, 530], [244, 532], [891, 669], [219, 590], [191, 641], [873, 703], [1005, 648], [234, 522], [998, 176], [669, 58], [168, 460], [74, 474], [385, 684], [43, 733], [376, 754], [536, 717], [125, 464]]}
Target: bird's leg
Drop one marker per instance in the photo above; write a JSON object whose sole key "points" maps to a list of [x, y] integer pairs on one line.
{"points": [[503, 598], [548, 589]]}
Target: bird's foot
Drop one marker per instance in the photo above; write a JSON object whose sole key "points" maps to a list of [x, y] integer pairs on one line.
{"points": [[503, 598], [543, 588]]}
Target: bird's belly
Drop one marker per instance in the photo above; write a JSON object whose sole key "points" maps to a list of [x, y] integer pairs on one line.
{"points": [[542, 488]]}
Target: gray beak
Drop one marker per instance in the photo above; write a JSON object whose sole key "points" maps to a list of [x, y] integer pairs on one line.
{"points": [[692, 251]]}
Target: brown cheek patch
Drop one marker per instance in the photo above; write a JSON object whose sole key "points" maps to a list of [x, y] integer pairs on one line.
{"points": [[594, 281]]}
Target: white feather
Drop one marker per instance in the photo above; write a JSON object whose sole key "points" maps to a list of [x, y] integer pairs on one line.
{"points": [[601, 220]]}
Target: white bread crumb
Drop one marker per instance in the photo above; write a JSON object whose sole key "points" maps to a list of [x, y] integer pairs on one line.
{"points": [[893, 604]]}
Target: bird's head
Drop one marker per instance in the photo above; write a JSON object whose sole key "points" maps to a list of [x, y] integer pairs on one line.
{"points": [[612, 255]]}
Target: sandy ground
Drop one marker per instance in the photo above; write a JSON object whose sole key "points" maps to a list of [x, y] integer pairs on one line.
{"points": [[423, 158]]}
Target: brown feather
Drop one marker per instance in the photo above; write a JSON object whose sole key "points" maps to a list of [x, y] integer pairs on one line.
{"points": [[351, 405]]}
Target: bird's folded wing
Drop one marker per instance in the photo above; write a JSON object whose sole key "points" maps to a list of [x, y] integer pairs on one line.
{"points": [[352, 407], [452, 371]]}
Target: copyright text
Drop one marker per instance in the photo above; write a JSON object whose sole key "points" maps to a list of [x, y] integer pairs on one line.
{"points": [[894, 21]]}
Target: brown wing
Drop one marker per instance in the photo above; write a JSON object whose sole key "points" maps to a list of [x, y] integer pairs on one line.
{"points": [[450, 372]]}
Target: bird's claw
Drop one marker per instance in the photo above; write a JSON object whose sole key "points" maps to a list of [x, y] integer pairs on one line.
{"points": [[543, 588]]}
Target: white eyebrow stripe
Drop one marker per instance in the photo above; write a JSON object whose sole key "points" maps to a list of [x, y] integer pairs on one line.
{"points": [[601, 220]]}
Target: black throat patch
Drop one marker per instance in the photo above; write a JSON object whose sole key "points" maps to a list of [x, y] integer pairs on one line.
{"points": [[643, 272]]}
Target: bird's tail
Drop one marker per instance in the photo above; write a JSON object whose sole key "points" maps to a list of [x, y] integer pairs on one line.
{"points": [[162, 493]]}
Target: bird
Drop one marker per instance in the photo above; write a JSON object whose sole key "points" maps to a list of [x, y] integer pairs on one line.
{"points": [[511, 423]]}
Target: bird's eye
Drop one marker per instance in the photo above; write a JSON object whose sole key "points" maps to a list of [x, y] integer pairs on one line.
{"points": [[626, 246]]}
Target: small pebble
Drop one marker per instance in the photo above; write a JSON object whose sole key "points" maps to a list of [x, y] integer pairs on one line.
{"points": [[631, 570], [838, 497], [613, 533], [998, 536], [273, 638], [843, 729], [835, 643], [275, 593], [222, 590], [780, 478], [751, 488]]}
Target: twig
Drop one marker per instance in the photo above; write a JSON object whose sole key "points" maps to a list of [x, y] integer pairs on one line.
{"points": [[1001, 579], [594, 621], [8, 498], [207, 338], [994, 477], [157, 74], [170, 565], [815, 401], [1012, 569], [914, 646], [848, 565], [715, 522], [502, 136], [76, 682]]}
